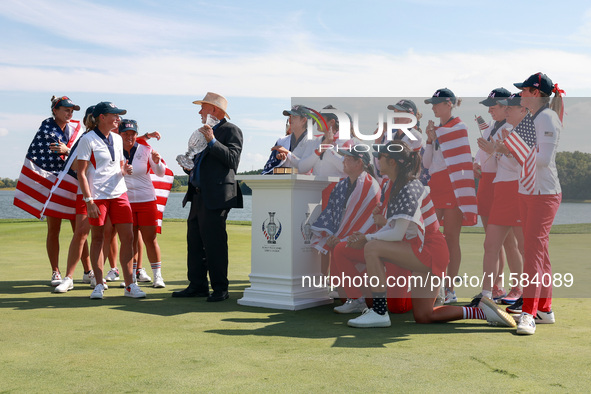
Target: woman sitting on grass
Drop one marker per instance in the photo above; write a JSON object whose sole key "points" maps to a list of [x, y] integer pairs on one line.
{"points": [[411, 239]]}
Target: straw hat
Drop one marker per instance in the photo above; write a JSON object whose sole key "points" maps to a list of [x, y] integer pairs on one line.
{"points": [[216, 100]]}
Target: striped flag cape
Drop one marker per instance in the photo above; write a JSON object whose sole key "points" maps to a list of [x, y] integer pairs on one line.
{"points": [[343, 217], [162, 186], [385, 188], [414, 204], [40, 172], [455, 146], [522, 145], [62, 196]]}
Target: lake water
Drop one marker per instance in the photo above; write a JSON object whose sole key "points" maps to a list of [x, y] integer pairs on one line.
{"points": [[568, 213], [174, 208]]}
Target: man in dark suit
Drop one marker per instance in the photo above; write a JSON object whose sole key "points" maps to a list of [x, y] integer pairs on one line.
{"points": [[213, 191]]}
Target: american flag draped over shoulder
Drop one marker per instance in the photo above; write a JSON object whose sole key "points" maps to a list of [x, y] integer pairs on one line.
{"points": [[273, 161], [62, 197], [404, 204], [385, 187], [162, 186], [343, 217], [414, 204], [455, 146], [40, 171], [522, 144]]}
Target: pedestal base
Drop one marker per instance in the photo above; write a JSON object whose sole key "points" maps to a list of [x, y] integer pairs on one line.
{"points": [[271, 291], [283, 207]]}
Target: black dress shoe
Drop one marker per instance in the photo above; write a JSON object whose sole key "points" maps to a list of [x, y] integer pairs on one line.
{"points": [[190, 292], [218, 296]]}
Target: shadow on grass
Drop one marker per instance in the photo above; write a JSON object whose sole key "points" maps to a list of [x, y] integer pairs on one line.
{"points": [[314, 323], [322, 323], [28, 295]]}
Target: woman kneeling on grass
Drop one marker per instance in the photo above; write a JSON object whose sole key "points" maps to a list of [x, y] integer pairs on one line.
{"points": [[411, 240]]}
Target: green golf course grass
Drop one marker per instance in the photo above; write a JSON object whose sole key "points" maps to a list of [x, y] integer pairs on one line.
{"points": [[69, 343]]}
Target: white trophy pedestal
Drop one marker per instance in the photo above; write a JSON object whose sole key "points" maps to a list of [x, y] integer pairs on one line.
{"points": [[281, 255]]}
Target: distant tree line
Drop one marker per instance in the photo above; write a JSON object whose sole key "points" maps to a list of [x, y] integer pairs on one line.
{"points": [[7, 183], [574, 171]]}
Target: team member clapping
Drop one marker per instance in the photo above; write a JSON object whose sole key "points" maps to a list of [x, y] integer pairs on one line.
{"points": [[141, 193]]}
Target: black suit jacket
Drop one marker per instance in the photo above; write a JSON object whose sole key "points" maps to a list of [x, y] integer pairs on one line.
{"points": [[219, 164]]}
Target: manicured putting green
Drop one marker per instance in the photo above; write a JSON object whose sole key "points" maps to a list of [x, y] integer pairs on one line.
{"points": [[69, 343]]}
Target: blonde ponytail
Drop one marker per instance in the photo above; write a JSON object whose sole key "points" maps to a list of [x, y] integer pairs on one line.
{"points": [[557, 104]]}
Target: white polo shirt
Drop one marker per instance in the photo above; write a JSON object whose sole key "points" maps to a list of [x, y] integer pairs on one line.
{"points": [[488, 163], [139, 184], [433, 159], [548, 128], [104, 174], [508, 169]]}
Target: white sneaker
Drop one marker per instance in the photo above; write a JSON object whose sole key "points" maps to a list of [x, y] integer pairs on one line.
{"points": [[494, 315], [545, 318], [87, 277], [352, 305], [56, 278], [67, 284], [97, 293], [370, 318], [142, 276], [112, 275], [93, 283], [134, 291], [450, 296], [527, 325], [159, 281], [122, 283]]}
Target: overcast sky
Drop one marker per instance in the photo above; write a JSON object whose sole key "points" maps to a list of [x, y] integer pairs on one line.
{"points": [[154, 58]]}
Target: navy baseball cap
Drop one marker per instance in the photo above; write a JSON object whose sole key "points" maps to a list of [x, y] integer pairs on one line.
{"points": [[297, 110], [364, 156], [107, 107], [63, 101], [495, 96], [514, 100], [539, 81], [405, 106], [127, 124], [442, 95]]}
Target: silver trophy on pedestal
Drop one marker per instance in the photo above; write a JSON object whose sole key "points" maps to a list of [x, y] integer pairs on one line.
{"points": [[197, 144]]}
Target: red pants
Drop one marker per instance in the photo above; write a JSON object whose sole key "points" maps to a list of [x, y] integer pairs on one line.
{"points": [[537, 215], [349, 262]]}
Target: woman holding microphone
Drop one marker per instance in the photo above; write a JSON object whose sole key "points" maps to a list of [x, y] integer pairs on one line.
{"points": [[448, 158]]}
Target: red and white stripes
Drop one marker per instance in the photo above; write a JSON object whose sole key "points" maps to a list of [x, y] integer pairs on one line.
{"points": [[455, 146]]}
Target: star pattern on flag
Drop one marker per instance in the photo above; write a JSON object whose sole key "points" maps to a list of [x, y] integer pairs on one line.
{"points": [[406, 202], [331, 217], [40, 154], [527, 131]]}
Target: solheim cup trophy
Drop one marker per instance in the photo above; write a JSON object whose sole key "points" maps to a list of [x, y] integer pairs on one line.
{"points": [[197, 144]]}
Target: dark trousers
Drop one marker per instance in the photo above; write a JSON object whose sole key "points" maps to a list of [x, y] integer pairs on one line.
{"points": [[207, 246]]}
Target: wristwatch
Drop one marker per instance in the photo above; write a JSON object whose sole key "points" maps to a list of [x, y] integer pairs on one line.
{"points": [[87, 199]]}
